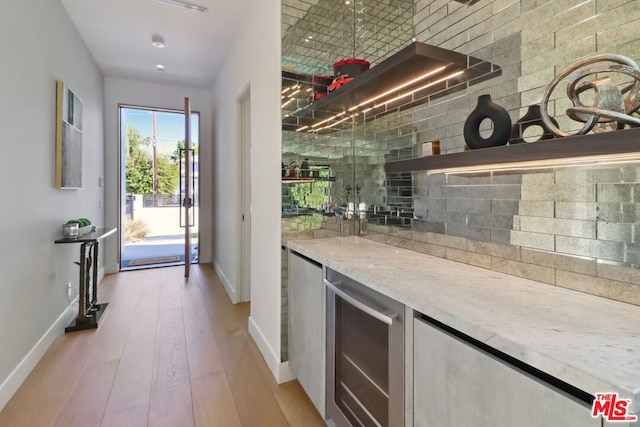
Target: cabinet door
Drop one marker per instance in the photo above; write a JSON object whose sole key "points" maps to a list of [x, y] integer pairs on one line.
{"points": [[457, 384], [306, 327]]}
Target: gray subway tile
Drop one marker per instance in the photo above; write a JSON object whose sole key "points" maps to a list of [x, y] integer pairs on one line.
{"points": [[429, 226], [490, 220], [521, 269], [527, 239], [499, 250], [495, 192], [453, 192], [559, 226], [619, 272], [468, 205], [619, 291], [608, 175], [471, 232], [472, 258], [500, 236], [632, 254], [448, 241], [611, 212], [630, 212], [429, 249], [576, 264], [505, 207], [540, 208], [577, 210], [469, 179], [615, 193], [506, 178], [619, 232]]}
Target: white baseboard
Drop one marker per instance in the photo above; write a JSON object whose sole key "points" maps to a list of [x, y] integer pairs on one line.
{"points": [[26, 365], [280, 370], [225, 282]]}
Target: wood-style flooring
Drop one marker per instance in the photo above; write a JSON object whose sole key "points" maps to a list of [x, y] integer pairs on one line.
{"points": [[168, 352]]}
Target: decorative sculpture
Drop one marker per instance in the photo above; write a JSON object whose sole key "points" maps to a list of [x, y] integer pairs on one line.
{"points": [[530, 119], [611, 106], [487, 109]]}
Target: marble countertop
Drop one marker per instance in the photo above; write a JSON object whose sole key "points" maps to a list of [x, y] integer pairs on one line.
{"points": [[590, 342]]}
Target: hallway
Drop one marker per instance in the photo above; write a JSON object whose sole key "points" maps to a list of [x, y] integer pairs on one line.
{"points": [[168, 352]]}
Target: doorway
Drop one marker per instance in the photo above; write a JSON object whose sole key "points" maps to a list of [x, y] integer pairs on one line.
{"points": [[152, 186], [244, 115]]}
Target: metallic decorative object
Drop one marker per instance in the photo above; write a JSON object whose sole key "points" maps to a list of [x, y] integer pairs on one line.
{"points": [[611, 106], [530, 119]]}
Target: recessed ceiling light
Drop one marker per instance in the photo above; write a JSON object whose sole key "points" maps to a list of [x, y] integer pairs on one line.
{"points": [[347, 2], [183, 5], [160, 67], [157, 41]]}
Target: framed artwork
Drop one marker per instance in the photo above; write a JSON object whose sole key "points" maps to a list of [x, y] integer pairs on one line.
{"points": [[68, 138]]}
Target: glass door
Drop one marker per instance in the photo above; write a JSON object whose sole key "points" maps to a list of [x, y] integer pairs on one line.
{"points": [[152, 184]]}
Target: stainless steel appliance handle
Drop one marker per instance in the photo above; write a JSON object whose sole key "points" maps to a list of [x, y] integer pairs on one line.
{"points": [[383, 317]]}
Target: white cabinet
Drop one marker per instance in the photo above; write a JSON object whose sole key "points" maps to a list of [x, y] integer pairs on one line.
{"points": [[307, 344], [457, 384]]}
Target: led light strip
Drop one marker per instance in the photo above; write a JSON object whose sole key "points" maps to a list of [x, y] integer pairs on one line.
{"points": [[543, 164], [404, 95], [401, 86], [327, 120], [183, 5], [287, 103]]}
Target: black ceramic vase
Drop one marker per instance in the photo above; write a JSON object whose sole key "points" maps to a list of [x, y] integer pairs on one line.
{"points": [[531, 118], [487, 109]]}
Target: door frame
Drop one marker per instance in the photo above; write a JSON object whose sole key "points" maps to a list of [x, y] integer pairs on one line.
{"points": [[122, 167], [243, 109]]}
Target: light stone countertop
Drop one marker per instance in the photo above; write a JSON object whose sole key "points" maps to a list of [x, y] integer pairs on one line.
{"points": [[590, 342]]}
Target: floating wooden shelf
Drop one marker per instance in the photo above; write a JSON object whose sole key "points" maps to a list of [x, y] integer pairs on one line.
{"points": [[411, 62], [617, 146]]}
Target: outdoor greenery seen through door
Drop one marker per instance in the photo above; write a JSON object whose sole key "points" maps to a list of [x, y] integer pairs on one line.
{"points": [[153, 187]]}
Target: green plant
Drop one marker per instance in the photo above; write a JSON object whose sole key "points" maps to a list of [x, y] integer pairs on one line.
{"points": [[135, 230]]}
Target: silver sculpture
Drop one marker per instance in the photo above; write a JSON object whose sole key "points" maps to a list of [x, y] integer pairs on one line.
{"points": [[612, 106]]}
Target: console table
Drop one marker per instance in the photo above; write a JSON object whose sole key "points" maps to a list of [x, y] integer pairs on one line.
{"points": [[89, 311]]}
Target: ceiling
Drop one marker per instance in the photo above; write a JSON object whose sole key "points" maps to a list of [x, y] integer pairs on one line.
{"points": [[118, 34]]}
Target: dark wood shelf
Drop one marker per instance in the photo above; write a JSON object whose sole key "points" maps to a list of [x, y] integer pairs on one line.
{"points": [[409, 63], [618, 144]]}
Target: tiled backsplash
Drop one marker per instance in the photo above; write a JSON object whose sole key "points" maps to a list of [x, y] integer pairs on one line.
{"points": [[574, 227]]}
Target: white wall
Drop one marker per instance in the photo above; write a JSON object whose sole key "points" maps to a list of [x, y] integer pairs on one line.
{"points": [[144, 94], [40, 45], [252, 61]]}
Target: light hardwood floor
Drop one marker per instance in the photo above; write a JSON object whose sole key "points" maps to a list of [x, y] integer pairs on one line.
{"points": [[169, 352]]}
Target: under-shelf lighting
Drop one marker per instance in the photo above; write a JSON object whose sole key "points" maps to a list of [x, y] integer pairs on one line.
{"points": [[625, 158], [183, 5], [287, 103], [399, 87], [433, 83], [302, 128], [327, 120]]}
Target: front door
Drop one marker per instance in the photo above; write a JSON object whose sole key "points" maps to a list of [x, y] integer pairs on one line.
{"points": [[153, 185]]}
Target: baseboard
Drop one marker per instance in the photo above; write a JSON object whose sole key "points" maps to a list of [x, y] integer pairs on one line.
{"points": [[225, 282], [280, 370], [29, 362]]}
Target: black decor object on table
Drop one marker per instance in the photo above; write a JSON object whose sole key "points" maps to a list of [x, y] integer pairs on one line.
{"points": [[487, 109], [531, 118]]}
